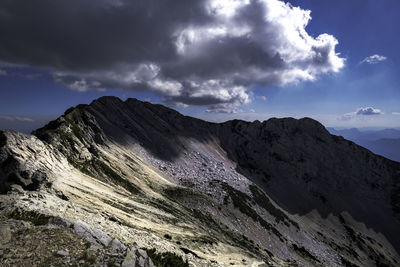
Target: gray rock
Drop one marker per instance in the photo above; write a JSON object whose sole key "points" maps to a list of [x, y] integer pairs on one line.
{"points": [[62, 253], [95, 236], [130, 258], [117, 245], [137, 258], [141, 253], [16, 188], [141, 262], [5, 234]]}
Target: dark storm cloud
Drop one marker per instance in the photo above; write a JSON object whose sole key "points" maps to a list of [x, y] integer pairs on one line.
{"points": [[190, 52], [89, 35]]}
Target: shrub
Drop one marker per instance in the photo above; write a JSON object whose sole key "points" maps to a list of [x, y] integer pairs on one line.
{"points": [[166, 259]]}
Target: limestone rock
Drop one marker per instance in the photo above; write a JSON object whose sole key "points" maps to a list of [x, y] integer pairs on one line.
{"points": [[137, 258], [95, 236], [117, 245], [130, 259]]}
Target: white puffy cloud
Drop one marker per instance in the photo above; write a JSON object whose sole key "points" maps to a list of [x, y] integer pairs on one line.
{"points": [[363, 111], [210, 52], [368, 111], [374, 59]]}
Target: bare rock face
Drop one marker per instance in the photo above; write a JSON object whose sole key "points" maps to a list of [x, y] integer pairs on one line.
{"points": [[27, 161], [278, 192]]}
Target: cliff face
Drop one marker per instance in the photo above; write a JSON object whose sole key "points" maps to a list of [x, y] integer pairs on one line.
{"points": [[278, 192]]}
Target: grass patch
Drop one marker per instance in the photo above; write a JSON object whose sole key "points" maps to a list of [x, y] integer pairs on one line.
{"points": [[166, 259], [263, 201], [241, 201], [188, 251], [304, 252], [164, 206], [76, 130], [177, 192], [31, 216], [236, 239]]}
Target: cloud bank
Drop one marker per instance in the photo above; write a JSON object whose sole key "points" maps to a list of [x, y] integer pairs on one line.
{"points": [[14, 118], [190, 52]]}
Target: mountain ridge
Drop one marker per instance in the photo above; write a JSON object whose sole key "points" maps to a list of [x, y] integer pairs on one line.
{"points": [[286, 179]]}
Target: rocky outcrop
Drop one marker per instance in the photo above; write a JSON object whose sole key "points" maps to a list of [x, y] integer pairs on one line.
{"points": [[137, 258], [28, 161]]}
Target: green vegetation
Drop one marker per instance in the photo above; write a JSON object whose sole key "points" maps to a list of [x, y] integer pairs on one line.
{"points": [[304, 252], [204, 239], [164, 206], [76, 130], [263, 201], [178, 192], [112, 262], [240, 200], [188, 251], [166, 259], [31, 216], [89, 257]]}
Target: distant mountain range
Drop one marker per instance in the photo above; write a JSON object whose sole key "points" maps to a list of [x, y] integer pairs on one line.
{"points": [[382, 142]]}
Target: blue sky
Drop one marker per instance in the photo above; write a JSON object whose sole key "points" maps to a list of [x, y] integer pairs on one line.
{"points": [[363, 28]]}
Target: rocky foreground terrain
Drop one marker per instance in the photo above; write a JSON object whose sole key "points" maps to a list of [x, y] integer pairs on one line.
{"points": [[131, 183]]}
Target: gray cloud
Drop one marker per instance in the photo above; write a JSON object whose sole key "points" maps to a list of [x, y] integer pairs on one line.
{"points": [[190, 52], [3, 72]]}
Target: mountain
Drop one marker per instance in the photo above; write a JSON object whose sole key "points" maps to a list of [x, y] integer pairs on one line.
{"points": [[382, 142], [136, 184], [389, 148], [366, 135]]}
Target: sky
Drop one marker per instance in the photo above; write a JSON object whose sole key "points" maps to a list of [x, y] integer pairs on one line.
{"points": [[334, 61]]}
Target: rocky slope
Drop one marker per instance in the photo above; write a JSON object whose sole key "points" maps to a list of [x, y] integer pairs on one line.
{"points": [[141, 177]]}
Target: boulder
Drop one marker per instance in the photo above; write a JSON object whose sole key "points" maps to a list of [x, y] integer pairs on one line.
{"points": [[137, 258], [95, 236]]}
